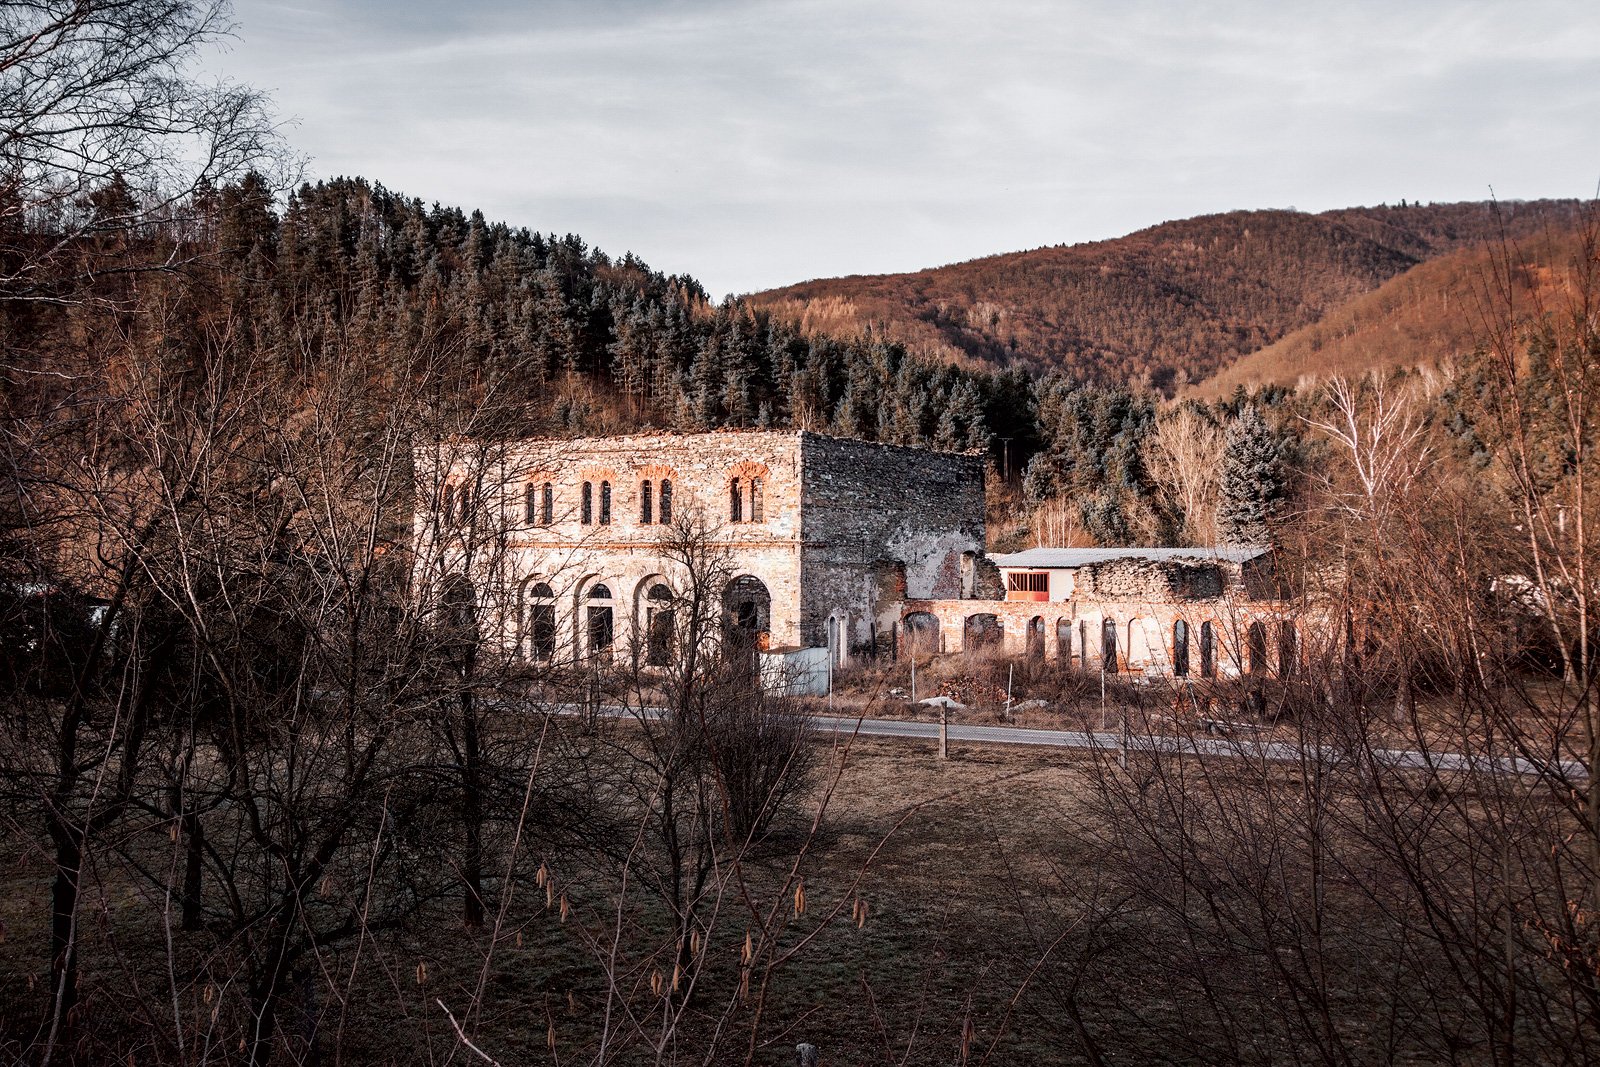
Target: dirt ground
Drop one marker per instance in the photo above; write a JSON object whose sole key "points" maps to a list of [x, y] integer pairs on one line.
{"points": [[967, 871]]}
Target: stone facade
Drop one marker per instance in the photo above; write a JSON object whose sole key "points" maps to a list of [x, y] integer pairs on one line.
{"points": [[828, 538]]}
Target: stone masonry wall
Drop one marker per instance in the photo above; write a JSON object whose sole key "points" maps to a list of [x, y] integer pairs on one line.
{"points": [[871, 509]]}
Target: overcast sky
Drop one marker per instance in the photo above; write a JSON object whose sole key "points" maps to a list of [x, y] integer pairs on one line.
{"points": [[759, 143]]}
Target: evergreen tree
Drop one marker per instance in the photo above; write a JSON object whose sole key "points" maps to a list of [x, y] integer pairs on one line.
{"points": [[1251, 486]]}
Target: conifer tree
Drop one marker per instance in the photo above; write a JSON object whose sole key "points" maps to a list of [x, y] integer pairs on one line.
{"points": [[1251, 485]]}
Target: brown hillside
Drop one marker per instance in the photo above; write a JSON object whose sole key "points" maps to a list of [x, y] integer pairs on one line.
{"points": [[1178, 301], [1426, 317]]}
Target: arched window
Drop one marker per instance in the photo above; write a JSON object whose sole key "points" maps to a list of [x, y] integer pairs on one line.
{"points": [[602, 621], [605, 503], [541, 621], [735, 502], [1108, 646], [758, 504], [1208, 651], [644, 503], [664, 512], [1064, 641], [586, 515], [1180, 648], [660, 623], [530, 504], [1288, 648], [1257, 647], [547, 505]]}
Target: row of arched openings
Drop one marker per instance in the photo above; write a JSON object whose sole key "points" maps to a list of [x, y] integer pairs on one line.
{"points": [[984, 631], [747, 605]]}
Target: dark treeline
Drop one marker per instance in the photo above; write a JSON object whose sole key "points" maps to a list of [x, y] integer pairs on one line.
{"points": [[610, 344]]}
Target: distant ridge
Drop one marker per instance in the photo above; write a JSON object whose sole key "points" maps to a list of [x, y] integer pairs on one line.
{"points": [[1179, 301], [1428, 317]]}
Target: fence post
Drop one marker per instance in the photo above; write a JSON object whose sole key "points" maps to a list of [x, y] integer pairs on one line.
{"points": [[944, 741]]}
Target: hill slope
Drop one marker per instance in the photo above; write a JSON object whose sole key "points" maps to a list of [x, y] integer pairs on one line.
{"points": [[1178, 301], [1426, 317]]}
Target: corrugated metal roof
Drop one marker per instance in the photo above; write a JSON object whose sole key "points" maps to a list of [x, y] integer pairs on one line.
{"points": [[1045, 558]]}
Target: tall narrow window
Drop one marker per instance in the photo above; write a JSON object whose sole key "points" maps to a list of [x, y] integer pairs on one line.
{"points": [[547, 505], [1288, 649], [605, 503], [1180, 648], [1208, 651], [1108, 646], [758, 505], [530, 504], [665, 511], [735, 502], [644, 503], [1257, 647], [587, 515], [541, 622]]}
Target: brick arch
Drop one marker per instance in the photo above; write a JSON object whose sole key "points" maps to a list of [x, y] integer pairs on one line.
{"points": [[746, 469], [656, 472], [598, 474]]}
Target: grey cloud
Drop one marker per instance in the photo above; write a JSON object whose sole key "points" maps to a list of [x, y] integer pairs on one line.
{"points": [[759, 143]]}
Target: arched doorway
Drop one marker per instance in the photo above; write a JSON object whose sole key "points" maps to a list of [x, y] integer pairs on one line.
{"points": [[746, 622], [981, 633], [1035, 646], [747, 607], [1288, 648], [600, 616], [921, 633], [660, 623], [538, 620], [1256, 645], [1064, 640]]}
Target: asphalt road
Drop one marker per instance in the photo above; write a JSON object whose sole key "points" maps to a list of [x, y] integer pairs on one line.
{"points": [[1199, 746], [1236, 747]]}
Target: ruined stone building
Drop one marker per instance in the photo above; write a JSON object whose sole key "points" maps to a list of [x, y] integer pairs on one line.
{"points": [[840, 550], [1202, 611], [826, 536]]}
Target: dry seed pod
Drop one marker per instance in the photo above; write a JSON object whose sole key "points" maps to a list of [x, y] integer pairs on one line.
{"points": [[519, 938], [549, 893], [563, 907], [799, 899], [422, 973], [543, 876], [749, 949], [694, 942], [208, 993], [655, 983], [677, 972], [550, 1036]]}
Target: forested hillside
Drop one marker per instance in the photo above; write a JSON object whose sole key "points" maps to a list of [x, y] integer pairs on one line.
{"points": [[1427, 317], [1177, 302]]}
